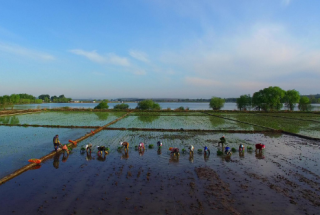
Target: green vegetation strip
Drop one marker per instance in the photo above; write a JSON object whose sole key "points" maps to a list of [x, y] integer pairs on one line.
{"points": [[52, 154]]}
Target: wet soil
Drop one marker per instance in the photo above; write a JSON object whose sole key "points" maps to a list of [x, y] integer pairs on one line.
{"points": [[285, 179]]}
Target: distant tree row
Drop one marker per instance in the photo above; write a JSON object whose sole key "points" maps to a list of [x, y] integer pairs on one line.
{"points": [[27, 99], [18, 99], [273, 99]]}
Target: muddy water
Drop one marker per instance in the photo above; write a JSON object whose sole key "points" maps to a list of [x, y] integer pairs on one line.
{"points": [[283, 180]]}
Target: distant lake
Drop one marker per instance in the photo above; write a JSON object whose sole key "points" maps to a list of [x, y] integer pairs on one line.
{"points": [[164, 105]]}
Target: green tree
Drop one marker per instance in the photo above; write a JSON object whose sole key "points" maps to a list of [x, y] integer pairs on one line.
{"points": [[216, 103], [44, 97], [244, 102], [304, 104], [121, 106], [5, 99], [291, 98], [148, 104], [38, 101], [102, 105], [268, 99]]}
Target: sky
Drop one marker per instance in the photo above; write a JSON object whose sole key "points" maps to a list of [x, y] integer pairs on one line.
{"points": [[158, 48]]}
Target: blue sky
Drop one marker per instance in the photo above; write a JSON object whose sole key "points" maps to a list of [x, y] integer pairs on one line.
{"points": [[158, 48]]}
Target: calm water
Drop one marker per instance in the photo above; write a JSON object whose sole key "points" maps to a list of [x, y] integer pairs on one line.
{"points": [[164, 105]]}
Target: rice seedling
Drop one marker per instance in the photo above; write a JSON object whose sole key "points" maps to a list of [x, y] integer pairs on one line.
{"points": [[219, 152], [233, 149], [150, 146], [200, 151]]}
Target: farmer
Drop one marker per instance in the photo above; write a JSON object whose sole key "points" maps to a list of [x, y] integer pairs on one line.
{"points": [[191, 149], [206, 151], [141, 147], [227, 150], [125, 145], [89, 147], [159, 144], [65, 149], [260, 147], [222, 140], [174, 151], [241, 148], [56, 142], [102, 149]]}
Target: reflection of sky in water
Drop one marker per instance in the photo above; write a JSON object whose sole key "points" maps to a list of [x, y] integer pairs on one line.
{"points": [[19, 144]]}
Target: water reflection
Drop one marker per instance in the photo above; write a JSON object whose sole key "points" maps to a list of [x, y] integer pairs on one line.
{"points": [[260, 155], [241, 154], [206, 156], [102, 116], [88, 157], [191, 157], [126, 155], [141, 152], [102, 158], [174, 158], [65, 157], [56, 160], [159, 151]]}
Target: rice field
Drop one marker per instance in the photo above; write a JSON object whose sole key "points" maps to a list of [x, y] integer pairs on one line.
{"points": [[66, 118], [184, 122], [285, 177]]}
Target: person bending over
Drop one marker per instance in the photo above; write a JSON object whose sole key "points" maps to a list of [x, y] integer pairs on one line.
{"points": [[222, 140], [125, 145], [206, 150], [191, 149], [141, 147]]}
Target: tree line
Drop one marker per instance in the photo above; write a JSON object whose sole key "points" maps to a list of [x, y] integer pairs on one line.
{"points": [[24, 98], [273, 99]]}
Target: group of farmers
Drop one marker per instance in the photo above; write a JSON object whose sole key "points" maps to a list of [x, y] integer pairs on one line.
{"points": [[141, 147]]}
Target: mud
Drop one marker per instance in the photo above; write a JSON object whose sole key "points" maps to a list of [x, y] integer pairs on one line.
{"points": [[283, 180]]}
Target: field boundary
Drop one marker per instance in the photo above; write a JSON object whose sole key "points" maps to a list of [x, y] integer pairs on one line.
{"points": [[52, 154]]}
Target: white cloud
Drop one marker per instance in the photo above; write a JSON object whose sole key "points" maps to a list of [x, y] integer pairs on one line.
{"points": [[263, 55], [141, 56], [24, 52], [109, 58]]}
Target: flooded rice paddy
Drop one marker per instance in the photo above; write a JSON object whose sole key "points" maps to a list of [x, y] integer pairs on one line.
{"points": [[184, 122], [65, 118], [283, 179]]}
